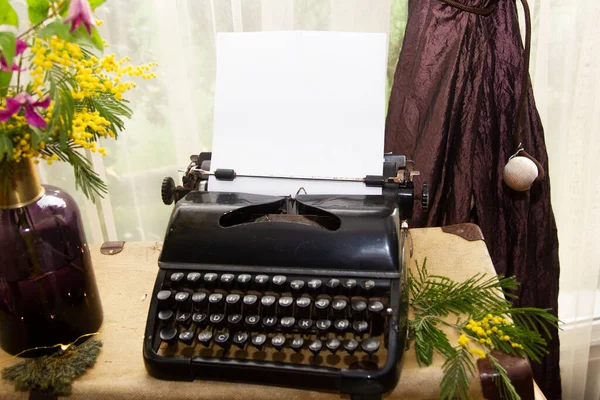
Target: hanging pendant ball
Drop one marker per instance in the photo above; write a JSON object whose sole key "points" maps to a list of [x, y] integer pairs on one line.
{"points": [[520, 173]]}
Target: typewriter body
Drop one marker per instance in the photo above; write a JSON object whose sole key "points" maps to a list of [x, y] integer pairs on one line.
{"points": [[305, 292]]}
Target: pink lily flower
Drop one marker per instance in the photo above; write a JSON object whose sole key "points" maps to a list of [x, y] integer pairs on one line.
{"points": [[24, 100], [80, 12], [20, 47]]}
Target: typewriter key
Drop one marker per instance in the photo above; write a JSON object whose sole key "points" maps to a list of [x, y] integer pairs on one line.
{"points": [[296, 285], [314, 285], [303, 307], [322, 307], [227, 281], [339, 306], [278, 341], [233, 303], [332, 285], [183, 317], [350, 345], [333, 344], [199, 301], [287, 322], [286, 306], [240, 339], [193, 278], [216, 319], [297, 343], [252, 321], [269, 305], [168, 335], [216, 303], [260, 282], [182, 300], [234, 321], [360, 327], [222, 339], [176, 277], [165, 299], [315, 347], [367, 287], [165, 315], [349, 286], [279, 282], [205, 337], [259, 340], [242, 281], [269, 322], [305, 324], [187, 337], [341, 325], [209, 279], [250, 303], [323, 325], [199, 319], [358, 308], [370, 345]]}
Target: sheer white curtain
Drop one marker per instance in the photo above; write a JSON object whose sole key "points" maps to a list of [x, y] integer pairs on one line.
{"points": [[173, 119], [565, 72]]}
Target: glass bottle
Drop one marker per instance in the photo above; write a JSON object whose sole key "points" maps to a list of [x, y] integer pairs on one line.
{"points": [[48, 292]]}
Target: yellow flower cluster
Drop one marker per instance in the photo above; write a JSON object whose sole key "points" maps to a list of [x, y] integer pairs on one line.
{"points": [[463, 340], [491, 326], [86, 126], [478, 352], [93, 76]]}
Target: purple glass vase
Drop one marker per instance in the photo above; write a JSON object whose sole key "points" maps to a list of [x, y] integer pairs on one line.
{"points": [[48, 292]]}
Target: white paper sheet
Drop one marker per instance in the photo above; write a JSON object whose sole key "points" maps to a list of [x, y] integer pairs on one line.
{"points": [[299, 104]]}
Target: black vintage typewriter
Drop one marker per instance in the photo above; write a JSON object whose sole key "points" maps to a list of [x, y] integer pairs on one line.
{"points": [[302, 292]]}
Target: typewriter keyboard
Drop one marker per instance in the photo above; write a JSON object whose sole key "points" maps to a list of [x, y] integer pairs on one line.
{"points": [[330, 321]]}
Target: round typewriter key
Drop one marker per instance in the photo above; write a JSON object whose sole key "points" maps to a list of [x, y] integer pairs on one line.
{"points": [[199, 319], [209, 279], [314, 285], [358, 308], [305, 324], [296, 285], [216, 319], [165, 298], [216, 302], [269, 322], [234, 321], [261, 281], [360, 327], [279, 282], [183, 318], [168, 335], [303, 307], [367, 286], [243, 280], [341, 325], [333, 344], [349, 286], [315, 346], [297, 343], [198, 300], [205, 337], [252, 321], [227, 280], [177, 276], [165, 315], [182, 300], [322, 307], [323, 325], [222, 339], [285, 306], [187, 337], [370, 345], [350, 345], [287, 322], [193, 277], [259, 340], [267, 301], [339, 306], [240, 339], [332, 285], [376, 306], [234, 303], [278, 341], [250, 303]]}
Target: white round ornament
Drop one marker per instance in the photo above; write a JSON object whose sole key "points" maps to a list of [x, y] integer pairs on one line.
{"points": [[520, 173]]}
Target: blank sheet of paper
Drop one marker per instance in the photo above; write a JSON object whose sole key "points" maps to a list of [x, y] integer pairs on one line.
{"points": [[299, 104]]}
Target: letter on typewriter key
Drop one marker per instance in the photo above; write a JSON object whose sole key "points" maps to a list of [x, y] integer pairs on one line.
{"points": [[234, 321], [366, 287], [297, 344], [216, 303], [176, 277], [269, 305], [269, 322], [205, 337], [216, 320], [341, 325], [209, 279], [278, 341], [332, 285], [183, 317], [199, 301], [222, 339], [193, 278], [233, 303], [360, 327], [315, 347], [199, 319], [370, 345], [227, 281], [168, 335], [286, 306], [322, 307], [323, 325], [350, 345], [187, 337], [260, 282], [242, 281], [252, 321], [182, 300], [240, 339], [305, 324], [349, 286], [314, 286], [250, 304], [303, 307], [288, 322], [279, 283], [339, 306], [333, 344], [259, 340], [376, 310]]}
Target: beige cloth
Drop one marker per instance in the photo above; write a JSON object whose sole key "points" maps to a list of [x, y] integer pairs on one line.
{"points": [[126, 281]]}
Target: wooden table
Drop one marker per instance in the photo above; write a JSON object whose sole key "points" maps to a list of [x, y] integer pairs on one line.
{"points": [[126, 280]]}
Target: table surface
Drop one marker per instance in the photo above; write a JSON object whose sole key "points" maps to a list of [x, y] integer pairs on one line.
{"points": [[125, 281]]}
